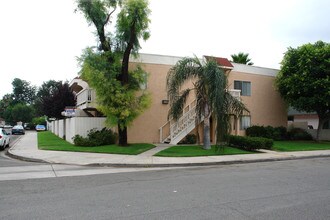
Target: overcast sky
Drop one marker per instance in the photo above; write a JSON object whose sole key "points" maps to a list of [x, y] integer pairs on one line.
{"points": [[40, 39]]}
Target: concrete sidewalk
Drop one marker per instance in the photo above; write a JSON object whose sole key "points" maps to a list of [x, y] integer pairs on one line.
{"points": [[26, 149]]}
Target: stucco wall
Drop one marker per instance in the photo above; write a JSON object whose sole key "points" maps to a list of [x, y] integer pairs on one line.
{"points": [[324, 134], [146, 127], [69, 127], [312, 120], [265, 104], [61, 128]]}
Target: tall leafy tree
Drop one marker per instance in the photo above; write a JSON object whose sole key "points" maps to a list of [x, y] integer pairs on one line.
{"points": [[106, 67], [59, 97], [212, 96], [44, 96], [18, 106], [23, 91], [5, 103], [242, 58], [22, 112], [304, 79]]}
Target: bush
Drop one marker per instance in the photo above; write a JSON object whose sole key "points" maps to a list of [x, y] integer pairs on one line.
{"points": [[256, 131], [250, 143], [277, 133], [280, 133], [189, 139], [96, 138], [299, 134]]}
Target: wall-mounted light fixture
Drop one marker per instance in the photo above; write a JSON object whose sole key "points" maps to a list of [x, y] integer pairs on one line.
{"points": [[165, 101]]}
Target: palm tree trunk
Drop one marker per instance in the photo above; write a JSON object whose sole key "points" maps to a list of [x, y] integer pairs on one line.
{"points": [[206, 138]]}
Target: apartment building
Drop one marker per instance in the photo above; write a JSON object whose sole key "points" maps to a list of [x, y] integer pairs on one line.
{"points": [[254, 86]]}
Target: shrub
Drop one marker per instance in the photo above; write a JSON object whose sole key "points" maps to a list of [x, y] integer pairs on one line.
{"points": [[250, 143], [299, 134], [280, 133], [189, 139], [275, 133], [81, 141], [256, 131], [96, 138]]}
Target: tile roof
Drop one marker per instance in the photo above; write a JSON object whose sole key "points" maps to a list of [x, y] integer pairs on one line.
{"points": [[224, 62]]}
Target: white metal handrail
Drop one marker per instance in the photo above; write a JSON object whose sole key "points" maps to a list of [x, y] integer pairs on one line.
{"points": [[187, 120], [85, 96], [183, 122], [235, 93]]}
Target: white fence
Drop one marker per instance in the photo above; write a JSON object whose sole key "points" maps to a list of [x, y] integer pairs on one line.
{"points": [[68, 128], [324, 134]]}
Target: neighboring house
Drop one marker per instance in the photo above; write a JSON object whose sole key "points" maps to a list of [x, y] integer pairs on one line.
{"points": [[311, 119], [305, 119], [253, 85]]}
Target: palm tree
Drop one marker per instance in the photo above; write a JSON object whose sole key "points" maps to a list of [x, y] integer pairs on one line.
{"points": [[241, 58], [212, 96]]}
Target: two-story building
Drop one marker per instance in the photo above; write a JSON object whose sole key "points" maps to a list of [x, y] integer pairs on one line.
{"points": [[254, 86]]}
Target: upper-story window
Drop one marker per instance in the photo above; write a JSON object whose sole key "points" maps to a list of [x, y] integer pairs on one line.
{"points": [[244, 86]]}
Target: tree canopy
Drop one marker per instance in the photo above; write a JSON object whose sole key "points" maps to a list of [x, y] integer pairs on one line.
{"points": [[105, 67], [212, 97], [23, 104], [242, 58], [22, 112], [23, 91], [54, 97], [304, 79]]}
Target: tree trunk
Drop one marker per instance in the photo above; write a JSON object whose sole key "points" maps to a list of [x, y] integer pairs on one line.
{"points": [[206, 138], [123, 77], [122, 136], [319, 128]]}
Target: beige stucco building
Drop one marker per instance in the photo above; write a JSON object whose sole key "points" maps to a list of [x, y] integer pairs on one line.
{"points": [[253, 85]]}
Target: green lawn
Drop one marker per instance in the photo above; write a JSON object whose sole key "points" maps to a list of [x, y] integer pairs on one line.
{"points": [[300, 145], [49, 141], [196, 151]]}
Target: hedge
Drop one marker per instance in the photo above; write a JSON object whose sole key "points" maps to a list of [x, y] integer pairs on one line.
{"points": [[250, 143], [275, 133], [96, 138]]}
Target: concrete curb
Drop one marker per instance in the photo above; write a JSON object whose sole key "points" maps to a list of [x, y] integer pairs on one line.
{"points": [[151, 163], [27, 159], [170, 165]]}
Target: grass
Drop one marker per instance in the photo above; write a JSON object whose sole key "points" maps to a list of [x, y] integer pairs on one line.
{"points": [[49, 141], [300, 145], [196, 151]]}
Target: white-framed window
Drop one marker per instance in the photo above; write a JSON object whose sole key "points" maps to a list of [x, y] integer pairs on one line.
{"points": [[245, 122], [244, 86]]}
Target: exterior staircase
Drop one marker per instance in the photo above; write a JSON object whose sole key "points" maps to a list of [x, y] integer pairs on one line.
{"points": [[180, 128], [172, 132]]}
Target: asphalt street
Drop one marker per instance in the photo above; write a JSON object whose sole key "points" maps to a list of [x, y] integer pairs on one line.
{"points": [[8, 162], [296, 189]]}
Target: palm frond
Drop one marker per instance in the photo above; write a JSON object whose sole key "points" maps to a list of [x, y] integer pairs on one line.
{"points": [[210, 85], [234, 106], [178, 104], [184, 70]]}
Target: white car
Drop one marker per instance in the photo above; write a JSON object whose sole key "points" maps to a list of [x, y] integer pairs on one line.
{"points": [[4, 139]]}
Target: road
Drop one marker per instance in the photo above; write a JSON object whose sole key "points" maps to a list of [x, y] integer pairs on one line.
{"points": [[7, 162], [297, 189], [11, 169]]}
